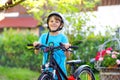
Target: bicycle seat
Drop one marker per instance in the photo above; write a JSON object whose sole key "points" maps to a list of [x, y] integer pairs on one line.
{"points": [[73, 62]]}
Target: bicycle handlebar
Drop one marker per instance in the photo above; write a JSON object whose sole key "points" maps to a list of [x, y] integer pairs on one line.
{"points": [[49, 48]]}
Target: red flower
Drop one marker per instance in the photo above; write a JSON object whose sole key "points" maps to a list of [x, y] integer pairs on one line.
{"points": [[102, 53]]}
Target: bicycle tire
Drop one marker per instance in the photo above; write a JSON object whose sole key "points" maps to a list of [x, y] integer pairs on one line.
{"points": [[45, 76], [84, 73]]}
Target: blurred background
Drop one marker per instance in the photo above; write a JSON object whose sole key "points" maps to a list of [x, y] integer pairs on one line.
{"points": [[23, 21]]}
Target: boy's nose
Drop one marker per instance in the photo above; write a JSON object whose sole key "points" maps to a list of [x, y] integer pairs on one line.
{"points": [[53, 22]]}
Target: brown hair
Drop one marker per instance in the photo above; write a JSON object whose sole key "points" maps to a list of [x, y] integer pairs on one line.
{"points": [[56, 18]]}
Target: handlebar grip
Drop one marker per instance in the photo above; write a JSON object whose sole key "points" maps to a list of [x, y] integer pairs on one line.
{"points": [[74, 47], [29, 44]]}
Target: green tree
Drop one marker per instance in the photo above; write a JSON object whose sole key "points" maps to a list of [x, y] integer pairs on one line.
{"points": [[41, 8], [70, 8], [5, 4]]}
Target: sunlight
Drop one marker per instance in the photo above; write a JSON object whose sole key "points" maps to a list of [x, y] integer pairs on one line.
{"points": [[2, 2], [13, 14]]}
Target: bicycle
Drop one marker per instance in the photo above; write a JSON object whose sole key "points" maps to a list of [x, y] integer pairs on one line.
{"points": [[82, 72]]}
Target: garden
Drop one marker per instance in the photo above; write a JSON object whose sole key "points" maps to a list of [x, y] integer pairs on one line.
{"points": [[17, 62]]}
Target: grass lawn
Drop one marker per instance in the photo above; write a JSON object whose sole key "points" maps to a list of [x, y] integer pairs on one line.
{"points": [[17, 74], [22, 74], [97, 76]]}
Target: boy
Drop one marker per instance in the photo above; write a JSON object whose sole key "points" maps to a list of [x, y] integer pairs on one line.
{"points": [[55, 23]]}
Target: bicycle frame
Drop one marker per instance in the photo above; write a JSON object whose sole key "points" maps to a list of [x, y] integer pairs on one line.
{"points": [[52, 63], [58, 71]]}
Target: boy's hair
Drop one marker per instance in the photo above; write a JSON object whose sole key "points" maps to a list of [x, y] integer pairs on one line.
{"points": [[57, 16]]}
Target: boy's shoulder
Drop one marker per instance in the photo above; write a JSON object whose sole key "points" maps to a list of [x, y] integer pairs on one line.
{"points": [[44, 34], [62, 34]]}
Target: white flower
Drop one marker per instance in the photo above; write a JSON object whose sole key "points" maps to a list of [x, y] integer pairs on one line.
{"points": [[108, 51], [114, 56], [101, 59], [118, 61]]}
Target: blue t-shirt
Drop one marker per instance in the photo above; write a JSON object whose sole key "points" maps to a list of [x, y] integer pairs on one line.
{"points": [[59, 55]]}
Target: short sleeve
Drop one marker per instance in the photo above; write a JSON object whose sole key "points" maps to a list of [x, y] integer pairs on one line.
{"points": [[42, 38], [65, 39]]}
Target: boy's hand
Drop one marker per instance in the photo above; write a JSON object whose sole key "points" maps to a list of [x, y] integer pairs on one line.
{"points": [[36, 43], [67, 45], [67, 52], [36, 51]]}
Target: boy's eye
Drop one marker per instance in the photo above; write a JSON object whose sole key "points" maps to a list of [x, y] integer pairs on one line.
{"points": [[55, 21], [51, 21]]}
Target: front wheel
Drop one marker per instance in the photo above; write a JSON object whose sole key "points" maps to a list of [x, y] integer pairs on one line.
{"points": [[45, 76], [84, 73]]}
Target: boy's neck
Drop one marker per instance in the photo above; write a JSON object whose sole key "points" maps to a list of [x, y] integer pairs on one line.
{"points": [[54, 33]]}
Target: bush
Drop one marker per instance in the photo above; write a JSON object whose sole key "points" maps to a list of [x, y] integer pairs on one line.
{"points": [[87, 48], [14, 52]]}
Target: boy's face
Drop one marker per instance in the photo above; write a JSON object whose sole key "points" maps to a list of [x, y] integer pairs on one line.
{"points": [[54, 22]]}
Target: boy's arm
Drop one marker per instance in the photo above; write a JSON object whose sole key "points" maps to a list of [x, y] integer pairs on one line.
{"points": [[67, 53], [36, 51]]}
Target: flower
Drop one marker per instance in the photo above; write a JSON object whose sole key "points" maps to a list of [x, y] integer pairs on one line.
{"points": [[118, 61], [108, 57], [114, 56]]}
